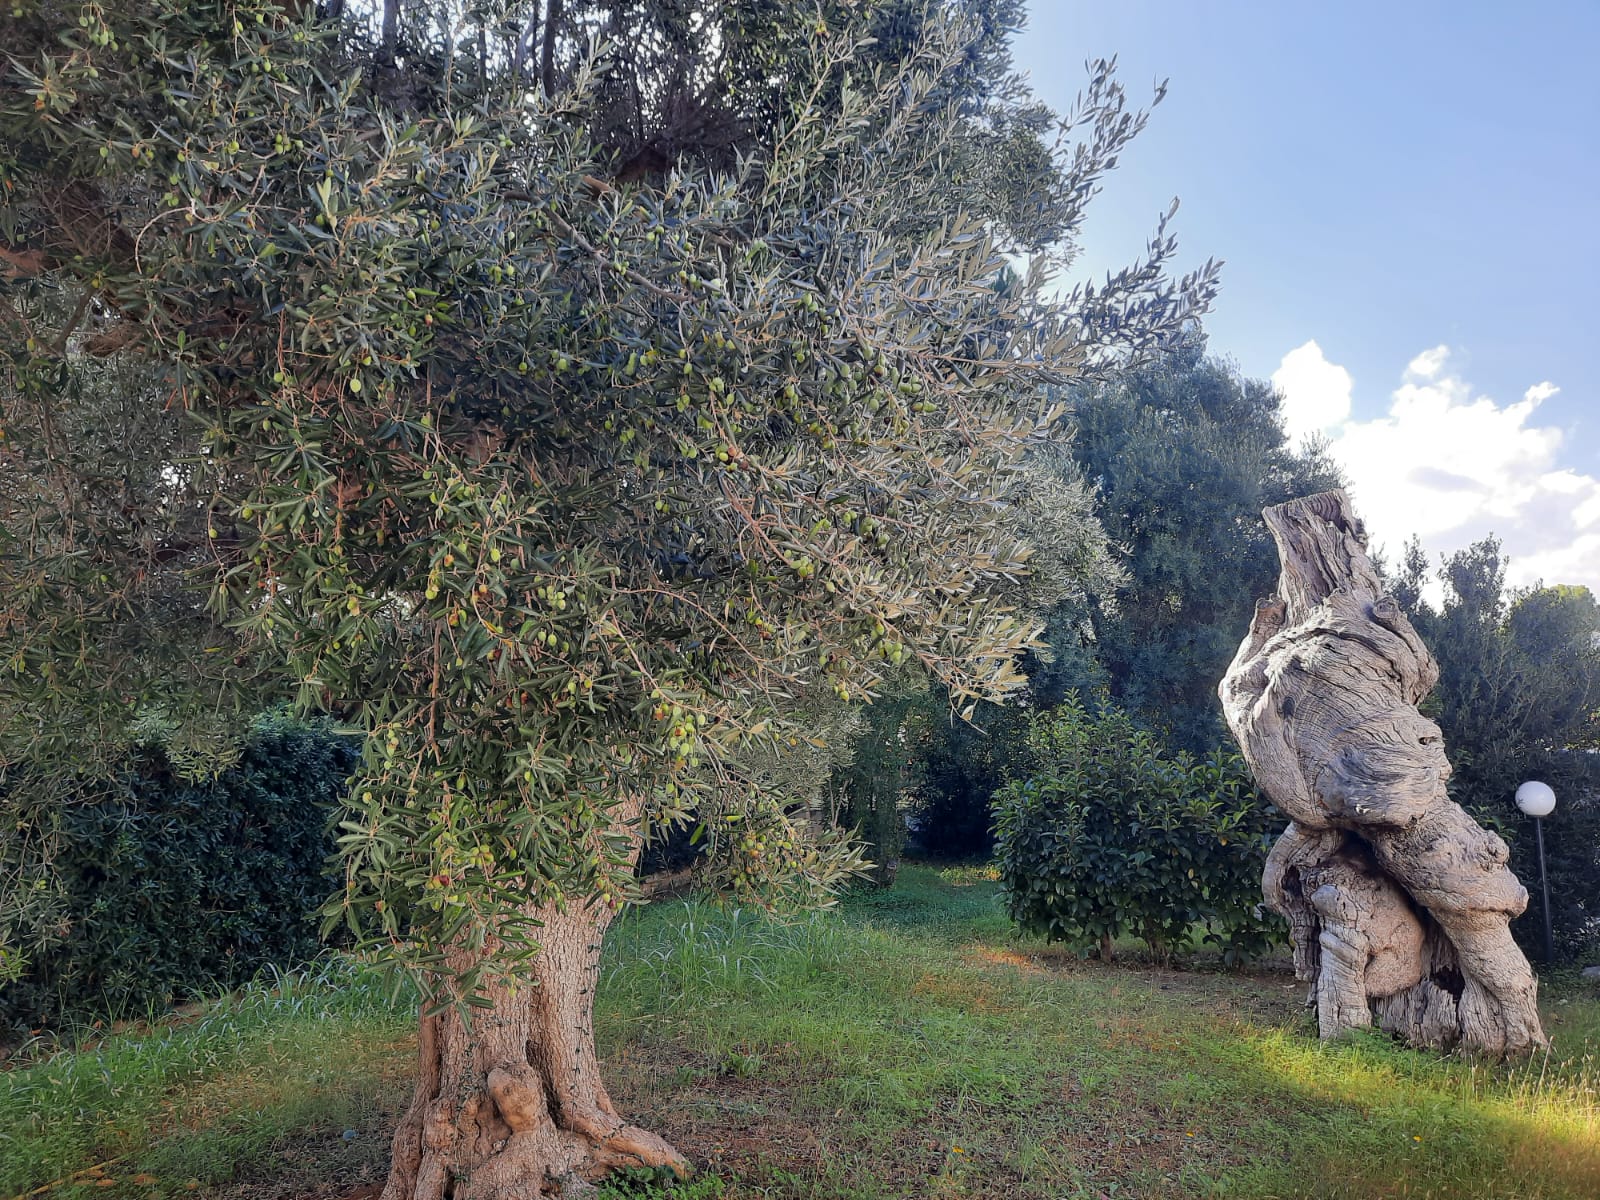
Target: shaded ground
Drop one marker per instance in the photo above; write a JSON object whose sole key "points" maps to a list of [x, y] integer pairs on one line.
{"points": [[909, 1049]]}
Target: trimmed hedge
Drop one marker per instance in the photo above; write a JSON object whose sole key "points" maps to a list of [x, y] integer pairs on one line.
{"points": [[173, 888]]}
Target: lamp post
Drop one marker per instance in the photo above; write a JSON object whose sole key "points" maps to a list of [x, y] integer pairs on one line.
{"points": [[1538, 801]]}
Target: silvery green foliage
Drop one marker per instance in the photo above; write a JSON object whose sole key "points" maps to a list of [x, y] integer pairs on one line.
{"points": [[561, 491]]}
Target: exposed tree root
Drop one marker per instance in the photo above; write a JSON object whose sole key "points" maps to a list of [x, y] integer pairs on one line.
{"points": [[511, 1107]]}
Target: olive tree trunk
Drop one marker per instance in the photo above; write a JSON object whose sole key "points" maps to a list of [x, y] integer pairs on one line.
{"points": [[1398, 902], [510, 1106]]}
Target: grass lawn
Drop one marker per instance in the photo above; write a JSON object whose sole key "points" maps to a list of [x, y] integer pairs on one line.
{"points": [[907, 1046]]}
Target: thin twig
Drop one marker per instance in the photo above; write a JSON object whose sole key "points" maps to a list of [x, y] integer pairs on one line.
{"points": [[72, 1178], [72, 322]]}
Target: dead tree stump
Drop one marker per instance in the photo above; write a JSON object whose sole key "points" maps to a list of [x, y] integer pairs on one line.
{"points": [[1398, 902]]}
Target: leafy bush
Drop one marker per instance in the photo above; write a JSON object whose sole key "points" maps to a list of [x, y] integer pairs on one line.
{"points": [[170, 886], [1110, 836]]}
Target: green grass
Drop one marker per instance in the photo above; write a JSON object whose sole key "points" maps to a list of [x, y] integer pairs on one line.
{"points": [[247, 1088], [904, 1046]]}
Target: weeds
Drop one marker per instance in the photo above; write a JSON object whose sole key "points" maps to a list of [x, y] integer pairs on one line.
{"points": [[904, 1046], [649, 1185], [133, 1098]]}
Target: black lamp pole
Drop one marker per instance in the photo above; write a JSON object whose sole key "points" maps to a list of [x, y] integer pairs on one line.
{"points": [[1544, 883]]}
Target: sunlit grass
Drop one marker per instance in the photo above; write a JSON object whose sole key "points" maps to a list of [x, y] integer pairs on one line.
{"points": [[1059, 1077], [904, 1046], [184, 1105]]}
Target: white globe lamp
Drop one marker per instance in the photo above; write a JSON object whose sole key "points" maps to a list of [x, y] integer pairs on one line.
{"points": [[1536, 799]]}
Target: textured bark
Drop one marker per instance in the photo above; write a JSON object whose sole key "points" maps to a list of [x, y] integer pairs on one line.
{"points": [[1398, 903], [511, 1107]]}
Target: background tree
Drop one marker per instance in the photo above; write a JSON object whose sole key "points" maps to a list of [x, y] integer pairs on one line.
{"points": [[1183, 454], [1519, 698], [868, 787], [559, 492], [961, 763], [1173, 460], [959, 767]]}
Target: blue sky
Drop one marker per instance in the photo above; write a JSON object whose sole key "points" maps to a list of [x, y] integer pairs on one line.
{"points": [[1415, 189]]}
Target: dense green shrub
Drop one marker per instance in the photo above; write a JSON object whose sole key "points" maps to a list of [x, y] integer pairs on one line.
{"points": [[1109, 836], [171, 886]]}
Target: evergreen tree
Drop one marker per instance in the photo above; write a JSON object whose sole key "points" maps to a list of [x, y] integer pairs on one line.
{"points": [[1183, 454], [1518, 698], [352, 373]]}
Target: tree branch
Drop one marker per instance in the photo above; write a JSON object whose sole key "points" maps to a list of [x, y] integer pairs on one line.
{"points": [[519, 59], [547, 65], [24, 264]]}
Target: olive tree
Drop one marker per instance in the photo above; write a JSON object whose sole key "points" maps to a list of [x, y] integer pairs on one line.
{"points": [[364, 382]]}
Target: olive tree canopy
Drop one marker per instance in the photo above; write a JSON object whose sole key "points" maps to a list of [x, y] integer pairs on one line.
{"points": [[358, 375]]}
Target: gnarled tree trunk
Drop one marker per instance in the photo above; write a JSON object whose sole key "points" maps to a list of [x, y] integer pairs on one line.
{"points": [[1399, 904], [510, 1106]]}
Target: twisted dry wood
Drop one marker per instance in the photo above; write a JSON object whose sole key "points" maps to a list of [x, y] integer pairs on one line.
{"points": [[1398, 902], [511, 1106]]}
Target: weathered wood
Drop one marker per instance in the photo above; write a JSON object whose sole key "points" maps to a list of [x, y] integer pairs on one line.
{"points": [[1399, 903], [511, 1105]]}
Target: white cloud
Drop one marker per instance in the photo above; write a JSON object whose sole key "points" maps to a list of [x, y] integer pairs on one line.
{"points": [[1451, 467], [1429, 363], [1316, 394]]}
